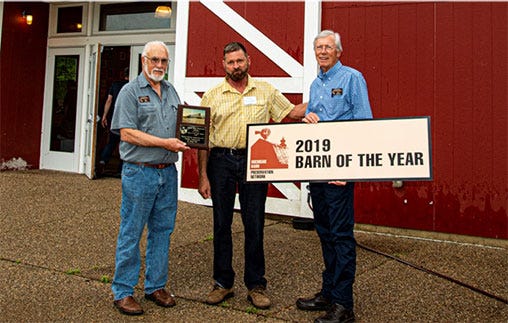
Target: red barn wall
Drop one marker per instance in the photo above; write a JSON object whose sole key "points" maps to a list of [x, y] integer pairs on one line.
{"points": [[448, 61], [22, 73]]}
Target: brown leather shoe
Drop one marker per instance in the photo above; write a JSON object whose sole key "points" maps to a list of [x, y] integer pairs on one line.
{"points": [[257, 296], [219, 294], [161, 298], [129, 306]]}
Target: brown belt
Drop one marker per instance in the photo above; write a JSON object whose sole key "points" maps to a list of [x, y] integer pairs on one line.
{"points": [[158, 166]]}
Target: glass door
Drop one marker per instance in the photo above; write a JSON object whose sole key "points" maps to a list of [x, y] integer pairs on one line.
{"points": [[61, 128]]}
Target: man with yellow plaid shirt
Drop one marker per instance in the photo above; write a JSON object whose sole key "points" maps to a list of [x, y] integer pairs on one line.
{"points": [[237, 101]]}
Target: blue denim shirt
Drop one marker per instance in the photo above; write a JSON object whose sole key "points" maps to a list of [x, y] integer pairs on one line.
{"points": [[339, 94], [139, 107]]}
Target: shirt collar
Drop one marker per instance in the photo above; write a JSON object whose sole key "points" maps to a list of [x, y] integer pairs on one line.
{"points": [[251, 84], [331, 72]]}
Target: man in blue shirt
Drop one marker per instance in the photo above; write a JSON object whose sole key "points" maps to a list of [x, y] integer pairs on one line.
{"points": [[145, 117], [338, 93]]}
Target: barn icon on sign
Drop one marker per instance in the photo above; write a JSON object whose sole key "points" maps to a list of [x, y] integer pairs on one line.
{"points": [[268, 155]]}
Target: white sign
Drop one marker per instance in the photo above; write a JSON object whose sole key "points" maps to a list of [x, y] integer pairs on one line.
{"points": [[354, 150]]}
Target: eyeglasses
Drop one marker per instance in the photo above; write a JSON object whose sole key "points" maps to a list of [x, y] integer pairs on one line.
{"points": [[156, 60], [326, 48]]}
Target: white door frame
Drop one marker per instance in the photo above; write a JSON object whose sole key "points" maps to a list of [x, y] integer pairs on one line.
{"points": [[90, 114], [58, 160], [86, 42]]}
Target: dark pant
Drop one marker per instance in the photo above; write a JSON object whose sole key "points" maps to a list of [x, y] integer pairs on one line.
{"points": [[226, 174], [113, 142], [333, 208]]}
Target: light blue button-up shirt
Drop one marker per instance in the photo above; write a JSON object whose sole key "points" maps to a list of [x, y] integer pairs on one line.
{"points": [[339, 94]]}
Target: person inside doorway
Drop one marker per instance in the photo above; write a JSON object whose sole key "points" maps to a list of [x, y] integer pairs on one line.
{"points": [[113, 138]]}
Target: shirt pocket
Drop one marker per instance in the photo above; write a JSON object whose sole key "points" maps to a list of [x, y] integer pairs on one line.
{"points": [[147, 114], [339, 103]]}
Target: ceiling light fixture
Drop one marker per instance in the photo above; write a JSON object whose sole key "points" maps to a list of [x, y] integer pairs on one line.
{"points": [[163, 12]]}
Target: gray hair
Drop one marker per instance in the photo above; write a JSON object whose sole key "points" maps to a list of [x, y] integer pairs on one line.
{"points": [[152, 44], [233, 47], [326, 33]]}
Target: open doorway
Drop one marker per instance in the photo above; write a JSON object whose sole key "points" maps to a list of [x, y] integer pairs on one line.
{"points": [[114, 60], [114, 73]]}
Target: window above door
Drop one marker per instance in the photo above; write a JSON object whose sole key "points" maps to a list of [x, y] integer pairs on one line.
{"points": [[135, 16], [72, 19], [68, 19]]}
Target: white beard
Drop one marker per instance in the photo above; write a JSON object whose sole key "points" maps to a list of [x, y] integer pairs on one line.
{"points": [[152, 76]]}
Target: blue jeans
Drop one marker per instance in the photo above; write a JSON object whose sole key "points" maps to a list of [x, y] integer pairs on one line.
{"points": [[226, 174], [333, 208], [149, 197]]}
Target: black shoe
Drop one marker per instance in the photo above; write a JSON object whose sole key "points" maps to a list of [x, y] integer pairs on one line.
{"points": [[337, 314], [316, 303]]}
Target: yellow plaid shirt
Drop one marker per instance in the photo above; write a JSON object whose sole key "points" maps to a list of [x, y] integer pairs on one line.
{"points": [[231, 111]]}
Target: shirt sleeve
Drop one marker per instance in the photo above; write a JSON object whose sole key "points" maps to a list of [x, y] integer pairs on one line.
{"points": [[360, 98], [281, 106]]}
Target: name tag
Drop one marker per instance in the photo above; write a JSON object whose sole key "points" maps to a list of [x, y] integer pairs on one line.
{"points": [[249, 100]]}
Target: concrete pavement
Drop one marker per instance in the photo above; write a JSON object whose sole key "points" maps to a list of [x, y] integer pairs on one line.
{"points": [[57, 243]]}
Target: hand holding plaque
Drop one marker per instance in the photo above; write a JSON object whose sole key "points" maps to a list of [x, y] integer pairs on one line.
{"points": [[193, 125]]}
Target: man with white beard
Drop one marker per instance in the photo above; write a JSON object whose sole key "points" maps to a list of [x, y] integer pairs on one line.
{"points": [[145, 118]]}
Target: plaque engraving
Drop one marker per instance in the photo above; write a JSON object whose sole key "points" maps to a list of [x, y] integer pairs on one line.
{"points": [[193, 125]]}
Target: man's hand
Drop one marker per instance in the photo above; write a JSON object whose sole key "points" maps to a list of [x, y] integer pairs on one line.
{"points": [[204, 187], [143, 139], [311, 118], [204, 184], [175, 145], [338, 183]]}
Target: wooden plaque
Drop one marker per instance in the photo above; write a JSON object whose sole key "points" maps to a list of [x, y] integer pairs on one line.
{"points": [[193, 125]]}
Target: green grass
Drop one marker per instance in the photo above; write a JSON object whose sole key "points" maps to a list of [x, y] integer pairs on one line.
{"points": [[208, 238], [251, 310], [73, 271], [105, 279]]}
